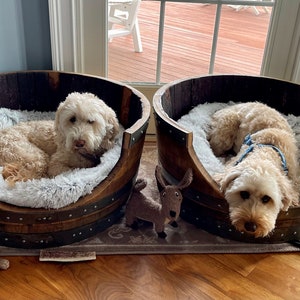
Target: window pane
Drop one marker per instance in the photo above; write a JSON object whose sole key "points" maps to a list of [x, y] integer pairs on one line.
{"points": [[187, 40], [242, 38], [127, 65], [187, 44]]}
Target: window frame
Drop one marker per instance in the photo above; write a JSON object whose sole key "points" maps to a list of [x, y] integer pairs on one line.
{"points": [[79, 37]]}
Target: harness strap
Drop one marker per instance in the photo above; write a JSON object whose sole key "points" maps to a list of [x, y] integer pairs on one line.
{"points": [[248, 141]]}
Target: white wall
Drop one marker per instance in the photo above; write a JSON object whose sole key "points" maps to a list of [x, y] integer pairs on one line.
{"points": [[282, 54], [79, 35], [12, 44], [24, 35]]}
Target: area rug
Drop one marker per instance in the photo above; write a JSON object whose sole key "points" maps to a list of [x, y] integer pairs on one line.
{"points": [[186, 238]]}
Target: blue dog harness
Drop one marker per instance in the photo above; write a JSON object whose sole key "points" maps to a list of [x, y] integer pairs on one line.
{"points": [[248, 141]]}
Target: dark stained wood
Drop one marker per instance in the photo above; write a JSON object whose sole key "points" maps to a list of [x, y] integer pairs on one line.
{"points": [[187, 43], [203, 204], [43, 91]]}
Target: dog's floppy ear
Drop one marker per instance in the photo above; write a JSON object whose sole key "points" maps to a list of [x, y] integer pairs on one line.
{"points": [[289, 194], [59, 136], [112, 129], [112, 126], [224, 179], [56, 122]]}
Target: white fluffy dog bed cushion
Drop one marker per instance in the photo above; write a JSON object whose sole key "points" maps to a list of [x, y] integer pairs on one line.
{"points": [[197, 121], [63, 189]]}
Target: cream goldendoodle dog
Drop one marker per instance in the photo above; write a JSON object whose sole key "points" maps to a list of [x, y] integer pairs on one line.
{"points": [[84, 128], [262, 178]]}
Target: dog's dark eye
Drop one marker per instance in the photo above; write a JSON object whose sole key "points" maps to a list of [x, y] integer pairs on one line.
{"points": [[91, 121], [245, 195], [265, 199], [73, 119]]}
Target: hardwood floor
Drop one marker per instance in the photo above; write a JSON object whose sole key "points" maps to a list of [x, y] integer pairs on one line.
{"points": [[188, 35], [185, 276], [217, 276]]}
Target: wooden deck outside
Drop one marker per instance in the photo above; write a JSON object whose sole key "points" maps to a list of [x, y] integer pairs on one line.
{"points": [[187, 43]]}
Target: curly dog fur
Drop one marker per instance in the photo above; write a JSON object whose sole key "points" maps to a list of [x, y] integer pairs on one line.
{"points": [[84, 128], [255, 184]]}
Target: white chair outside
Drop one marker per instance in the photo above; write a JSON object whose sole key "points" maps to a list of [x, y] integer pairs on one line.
{"points": [[239, 7], [123, 14]]}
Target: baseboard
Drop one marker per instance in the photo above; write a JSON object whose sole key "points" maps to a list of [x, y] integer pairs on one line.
{"points": [[150, 137]]}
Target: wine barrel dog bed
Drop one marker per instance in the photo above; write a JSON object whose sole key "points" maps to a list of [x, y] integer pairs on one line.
{"points": [[203, 204], [34, 93]]}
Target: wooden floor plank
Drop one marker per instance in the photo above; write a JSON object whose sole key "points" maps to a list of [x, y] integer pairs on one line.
{"points": [[231, 284], [243, 264], [270, 272], [215, 276]]}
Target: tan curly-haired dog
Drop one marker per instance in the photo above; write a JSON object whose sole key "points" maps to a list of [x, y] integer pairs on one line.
{"points": [[84, 128], [262, 178]]}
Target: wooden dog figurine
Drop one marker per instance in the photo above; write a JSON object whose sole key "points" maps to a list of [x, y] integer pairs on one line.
{"points": [[159, 213]]}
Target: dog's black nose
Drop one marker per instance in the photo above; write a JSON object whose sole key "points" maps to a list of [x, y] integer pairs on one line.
{"points": [[250, 226], [172, 213]]}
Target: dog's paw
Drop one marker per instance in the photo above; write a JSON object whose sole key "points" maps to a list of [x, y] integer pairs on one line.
{"points": [[11, 174], [15, 172]]}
